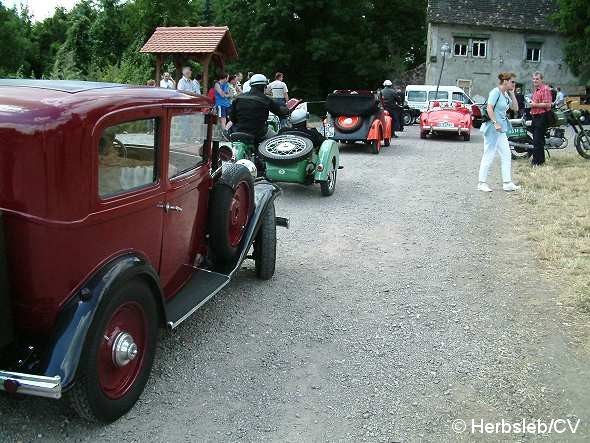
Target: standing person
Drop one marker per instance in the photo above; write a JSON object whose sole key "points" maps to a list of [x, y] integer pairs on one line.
{"points": [[280, 94], [390, 103], [559, 98], [222, 97], [246, 85], [186, 82], [232, 84], [540, 106], [197, 84], [167, 82], [239, 78], [494, 131]]}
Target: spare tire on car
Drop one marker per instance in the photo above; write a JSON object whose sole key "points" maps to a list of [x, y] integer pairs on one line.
{"points": [[285, 148], [230, 207]]}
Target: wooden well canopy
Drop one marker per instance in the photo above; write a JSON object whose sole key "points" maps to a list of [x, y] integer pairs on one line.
{"points": [[205, 44]]}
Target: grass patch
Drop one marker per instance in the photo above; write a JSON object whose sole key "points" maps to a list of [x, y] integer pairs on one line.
{"points": [[556, 217]]}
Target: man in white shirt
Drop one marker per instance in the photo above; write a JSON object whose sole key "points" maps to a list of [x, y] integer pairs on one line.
{"points": [[167, 82], [280, 93], [186, 83], [246, 85]]}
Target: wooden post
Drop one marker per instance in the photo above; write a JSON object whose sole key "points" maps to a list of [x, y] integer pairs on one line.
{"points": [[206, 63], [159, 58]]}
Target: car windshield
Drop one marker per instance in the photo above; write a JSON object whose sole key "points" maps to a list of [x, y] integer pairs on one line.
{"points": [[442, 95], [416, 96]]}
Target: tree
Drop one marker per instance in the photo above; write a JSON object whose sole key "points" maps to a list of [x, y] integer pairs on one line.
{"points": [[16, 47], [573, 20], [47, 37]]}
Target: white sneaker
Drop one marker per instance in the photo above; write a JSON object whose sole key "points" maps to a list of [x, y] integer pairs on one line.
{"points": [[483, 187], [509, 187]]}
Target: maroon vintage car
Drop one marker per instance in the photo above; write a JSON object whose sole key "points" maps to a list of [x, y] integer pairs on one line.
{"points": [[117, 217]]}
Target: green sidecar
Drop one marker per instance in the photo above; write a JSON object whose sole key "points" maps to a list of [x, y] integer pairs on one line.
{"points": [[291, 157]]}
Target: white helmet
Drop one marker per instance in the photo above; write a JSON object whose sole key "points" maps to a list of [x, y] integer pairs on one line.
{"points": [[258, 79], [299, 115], [387, 83]]}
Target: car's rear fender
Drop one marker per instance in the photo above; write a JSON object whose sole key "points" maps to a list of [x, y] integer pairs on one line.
{"points": [[376, 131], [328, 152], [69, 335]]}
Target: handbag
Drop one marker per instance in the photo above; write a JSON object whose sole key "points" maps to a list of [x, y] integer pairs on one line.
{"points": [[484, 112]]}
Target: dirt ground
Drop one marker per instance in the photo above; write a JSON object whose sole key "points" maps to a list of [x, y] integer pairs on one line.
{"points": [[401, 305]]}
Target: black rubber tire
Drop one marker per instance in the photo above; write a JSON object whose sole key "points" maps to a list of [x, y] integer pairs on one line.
{"points": [[285, 159], [407, 119], [583, 138], [329, 186], [220, 200], [86, 396], [265, 245], [375, 146], [466, 137], [422, 134]]}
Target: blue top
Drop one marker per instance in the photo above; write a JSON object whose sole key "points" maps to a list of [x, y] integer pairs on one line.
{"points": [[502, 102], [222, 101]]}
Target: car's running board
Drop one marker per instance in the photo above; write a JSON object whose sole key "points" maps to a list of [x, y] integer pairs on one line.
{"points": [[200, 288]]}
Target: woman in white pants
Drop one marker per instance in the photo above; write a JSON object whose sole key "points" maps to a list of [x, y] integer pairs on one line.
{"points": [[494, 132]]}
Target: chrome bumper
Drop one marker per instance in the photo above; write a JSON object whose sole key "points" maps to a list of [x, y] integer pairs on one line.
{"points": [[445, 129], [37, 385]]}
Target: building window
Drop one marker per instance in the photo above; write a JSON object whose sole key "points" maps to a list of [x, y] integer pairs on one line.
{"points": [[480, 48], [460, 47], [533, 52]]}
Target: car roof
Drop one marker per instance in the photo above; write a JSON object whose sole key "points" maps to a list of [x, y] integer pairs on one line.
{"points": [[71, 86]]}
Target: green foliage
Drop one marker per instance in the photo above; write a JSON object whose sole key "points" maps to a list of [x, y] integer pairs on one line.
{"points": [[573, 19], [320, 45]]}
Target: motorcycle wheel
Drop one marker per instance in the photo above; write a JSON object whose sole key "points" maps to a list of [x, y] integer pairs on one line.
{"points": [[407, 119], [582, 143]]}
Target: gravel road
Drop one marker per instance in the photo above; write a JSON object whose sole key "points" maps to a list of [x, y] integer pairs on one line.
{"points": [[400, 304]]}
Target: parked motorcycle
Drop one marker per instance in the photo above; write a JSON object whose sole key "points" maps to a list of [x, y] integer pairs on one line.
{"points": [[520, 137]]}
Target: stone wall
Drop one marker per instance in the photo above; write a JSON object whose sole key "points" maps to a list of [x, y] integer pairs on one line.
{"points": [[506, 51]]}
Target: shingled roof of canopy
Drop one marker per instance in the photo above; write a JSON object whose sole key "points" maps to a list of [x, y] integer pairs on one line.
{"points": [[192, 40], [518, 15]]}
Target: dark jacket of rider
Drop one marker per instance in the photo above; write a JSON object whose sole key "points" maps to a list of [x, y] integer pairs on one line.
{"points": [[249, 112]]}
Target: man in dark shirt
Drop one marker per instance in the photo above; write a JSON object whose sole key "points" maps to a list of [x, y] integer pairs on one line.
{"points": [[299, 124], [392, 104], [249, 111]]}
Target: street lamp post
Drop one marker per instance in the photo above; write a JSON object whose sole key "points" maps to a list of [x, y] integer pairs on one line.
{"points": [[444, 50]]}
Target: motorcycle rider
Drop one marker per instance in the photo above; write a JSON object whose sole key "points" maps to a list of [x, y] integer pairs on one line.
{"points": [[299, 123], [249, 111], [392, 104]]}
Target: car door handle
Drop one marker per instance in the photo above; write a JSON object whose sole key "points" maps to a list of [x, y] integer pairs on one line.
{"points": [[167, 207]]}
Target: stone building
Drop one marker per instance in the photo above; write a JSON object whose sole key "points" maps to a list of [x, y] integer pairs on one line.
{"points": [[491, 36]]}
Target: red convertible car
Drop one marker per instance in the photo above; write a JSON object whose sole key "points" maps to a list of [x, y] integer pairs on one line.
{"points": [[455, 119]]}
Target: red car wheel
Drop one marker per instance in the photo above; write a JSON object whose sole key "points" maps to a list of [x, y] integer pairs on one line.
{"points": [[118, 353], [240, 210]]}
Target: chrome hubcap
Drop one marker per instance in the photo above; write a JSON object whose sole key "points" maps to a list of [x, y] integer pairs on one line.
{"points": [[124, 349]]}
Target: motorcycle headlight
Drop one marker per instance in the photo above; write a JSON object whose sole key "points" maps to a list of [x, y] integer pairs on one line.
{"points": [[248, 164]]}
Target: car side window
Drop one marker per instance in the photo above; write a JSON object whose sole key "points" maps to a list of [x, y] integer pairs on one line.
{"points": [[458, 97], [127, 157], [188, 134]]}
